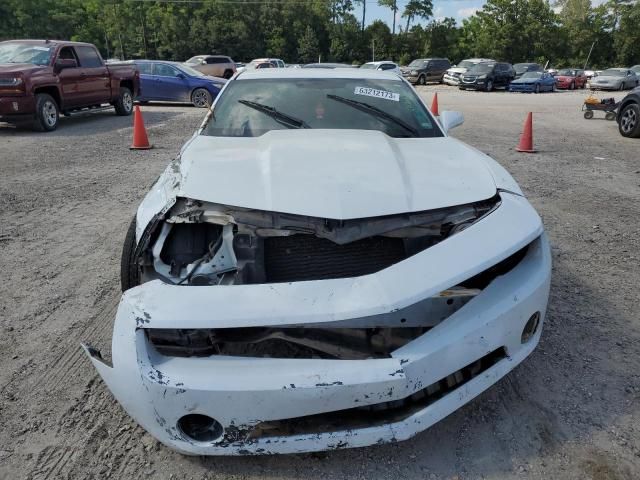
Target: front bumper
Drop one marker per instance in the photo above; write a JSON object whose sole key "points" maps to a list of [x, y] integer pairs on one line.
{"points": [[451, 79], [475, 85], [522, 87], [411, 78], [241, 392], [604, 86], [16, 106]]}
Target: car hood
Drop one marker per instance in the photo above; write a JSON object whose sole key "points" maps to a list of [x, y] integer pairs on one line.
{"points": [[338, 174], [608, 78], [564, 78], [525, 80], [457, 70], [6, 68]]}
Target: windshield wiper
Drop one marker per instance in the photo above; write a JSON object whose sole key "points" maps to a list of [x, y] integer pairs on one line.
{"points": [[282, 118], [375, 111]]}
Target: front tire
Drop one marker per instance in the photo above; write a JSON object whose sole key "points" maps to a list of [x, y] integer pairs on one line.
{"points": [[572, 86], [588, 114], [227, 74], [489, 86], [537, 89], [129, 275], [629, 125], [422, 80], [124, 103], [201, 98], [47, 113]]}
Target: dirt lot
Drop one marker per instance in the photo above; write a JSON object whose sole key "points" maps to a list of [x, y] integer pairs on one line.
{"points": [[570, 411]]}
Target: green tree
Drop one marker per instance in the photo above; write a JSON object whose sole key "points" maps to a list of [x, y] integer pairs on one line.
{"points": [[417, 8], [308, 47], [393, 5]]}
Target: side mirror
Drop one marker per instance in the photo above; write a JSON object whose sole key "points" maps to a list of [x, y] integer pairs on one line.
{"points": [[449, 120], [63, 63], [181, 75], [203, 62]]}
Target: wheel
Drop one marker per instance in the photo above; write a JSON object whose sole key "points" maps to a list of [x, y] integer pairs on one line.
{"points": [[124, 103], [422, 80], [572, 86], [553, 88], [201, 98], [489, 86], [129, 274], [629, 124], [588, 114], [621, 86], [610, 116], [227, 74], [47, 113], [537, 90]]}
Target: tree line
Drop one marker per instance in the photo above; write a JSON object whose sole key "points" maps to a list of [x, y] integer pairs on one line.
{"points": [[564, 33]]}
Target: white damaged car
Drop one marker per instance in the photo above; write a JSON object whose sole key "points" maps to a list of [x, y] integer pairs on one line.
{"points": [[322, 267]]}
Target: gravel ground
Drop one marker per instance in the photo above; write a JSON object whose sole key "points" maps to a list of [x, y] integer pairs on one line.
{"points": [[570, 411]]}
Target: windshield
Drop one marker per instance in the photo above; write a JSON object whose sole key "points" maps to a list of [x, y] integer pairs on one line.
{"points": [[523, 67], [194, 60], [251, 108], [417, 63], [567, 72], [190, 71], [481, 68], [369, 66], [466, 64], [532, 75], [16, 52], [613, 73]]}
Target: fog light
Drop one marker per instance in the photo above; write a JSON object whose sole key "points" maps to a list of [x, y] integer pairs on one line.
{"points": [[530, 328], [200, 428]]}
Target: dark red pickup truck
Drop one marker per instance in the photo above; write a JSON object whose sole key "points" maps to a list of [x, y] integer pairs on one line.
{"points": [[39, 79]]}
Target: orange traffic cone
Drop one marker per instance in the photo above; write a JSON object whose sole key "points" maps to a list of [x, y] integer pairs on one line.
{"points": [[526, 139], [140, 140], [434, 105]]}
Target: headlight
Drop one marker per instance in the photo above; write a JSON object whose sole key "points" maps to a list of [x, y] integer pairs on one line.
{"points": [[414, 72], [10, 82], [482, 77]]}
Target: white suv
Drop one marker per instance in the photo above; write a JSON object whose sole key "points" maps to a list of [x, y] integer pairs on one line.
{"points": [[452, 77]]}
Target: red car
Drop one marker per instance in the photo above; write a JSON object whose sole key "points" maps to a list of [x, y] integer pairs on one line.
{"points": [[571, 78]]}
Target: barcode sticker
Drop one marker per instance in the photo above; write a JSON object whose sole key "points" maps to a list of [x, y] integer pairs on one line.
{"points": [[372, 92]]}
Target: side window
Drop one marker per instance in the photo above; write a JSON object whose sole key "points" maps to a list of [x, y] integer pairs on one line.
{"points": [[211, 60], [67, 53], [89, 58], [144, 68], [280, 63], [163, 70], [387, 66]]}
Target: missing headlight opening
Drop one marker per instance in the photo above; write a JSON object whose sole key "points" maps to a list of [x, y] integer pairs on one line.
{"points": [[198, 243]]}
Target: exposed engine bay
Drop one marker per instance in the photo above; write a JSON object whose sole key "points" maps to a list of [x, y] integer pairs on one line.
{"points": [[199, 243]]}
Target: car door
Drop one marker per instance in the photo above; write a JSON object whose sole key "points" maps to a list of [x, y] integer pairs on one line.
{"points": [[170, 83], [95, 83], [69, 79], [147, 84]]}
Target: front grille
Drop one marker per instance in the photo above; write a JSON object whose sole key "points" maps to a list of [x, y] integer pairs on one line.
{"points": [[307, 257], [380, 413]]}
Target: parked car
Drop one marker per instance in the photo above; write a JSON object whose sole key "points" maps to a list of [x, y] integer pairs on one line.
{"points": [[570, 78], [275, 290], [260, 63], [615, 79], [636, 69], [628, 117], [522, 68], [384, 65], [452, 76], [535, 82], [176, 82], [213, 65], [39, 79], [487, 76], [425, 70]]}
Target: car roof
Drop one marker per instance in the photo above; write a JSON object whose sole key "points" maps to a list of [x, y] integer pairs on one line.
{"points": [[380, 62], [354, 73], [49, 42]]}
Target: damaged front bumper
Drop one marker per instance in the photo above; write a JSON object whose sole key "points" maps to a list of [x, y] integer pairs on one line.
{"points": [[278, 405]]}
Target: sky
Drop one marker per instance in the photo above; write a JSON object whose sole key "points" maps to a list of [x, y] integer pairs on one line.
{"points": [[458, 9]]}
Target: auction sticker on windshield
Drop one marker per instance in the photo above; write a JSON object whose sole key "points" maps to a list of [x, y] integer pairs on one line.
{"points": [[372, 92]]}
